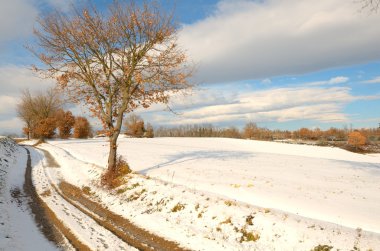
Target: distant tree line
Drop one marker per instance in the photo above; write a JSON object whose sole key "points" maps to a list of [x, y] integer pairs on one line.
{"points": [[355, 137], [44, 117]]}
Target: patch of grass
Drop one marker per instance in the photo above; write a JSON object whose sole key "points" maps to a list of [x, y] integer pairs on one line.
{"points": [[136, 195], [121, 190], [235, 185], [226, 221], [86, 190], [134, 186], [197, 206], [249, 236], [266, 210], [178, 207], [322, 248], [229, 203], [249, 219]]}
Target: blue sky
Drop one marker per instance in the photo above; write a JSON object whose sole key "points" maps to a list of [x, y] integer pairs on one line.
{"points": [[282, 64]]}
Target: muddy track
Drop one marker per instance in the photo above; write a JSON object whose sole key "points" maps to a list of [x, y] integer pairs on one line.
{"points": [[36, 205], [122, 228]]}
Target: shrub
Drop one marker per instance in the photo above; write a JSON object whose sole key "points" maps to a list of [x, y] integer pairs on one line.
{"points": [[65, 122], [115, 179], [82, 128], [356, 139], [45, 128]]}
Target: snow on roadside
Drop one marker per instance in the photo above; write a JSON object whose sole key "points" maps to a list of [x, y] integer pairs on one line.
{"points": [[18, 230], [87, 230], [203, 218]]}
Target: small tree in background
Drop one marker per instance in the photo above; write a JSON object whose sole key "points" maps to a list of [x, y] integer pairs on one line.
{"points": [[356, 139], [134, 125], [39, 110], [149, 132], [249, 131], [82, 128], [65, 122]]}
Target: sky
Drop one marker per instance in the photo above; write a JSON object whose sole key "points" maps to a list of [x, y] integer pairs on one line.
{"points": [[284, 64]]}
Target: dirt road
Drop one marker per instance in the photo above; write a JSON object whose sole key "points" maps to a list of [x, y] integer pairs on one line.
{"points": [[66, 212]]}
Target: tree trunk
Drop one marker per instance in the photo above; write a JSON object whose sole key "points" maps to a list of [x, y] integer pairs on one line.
{"points": [[113, 152]]}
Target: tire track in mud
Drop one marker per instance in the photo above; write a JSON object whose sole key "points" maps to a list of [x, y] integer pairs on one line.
{"points": [[82, 231], [122, 228], [36, 205]]}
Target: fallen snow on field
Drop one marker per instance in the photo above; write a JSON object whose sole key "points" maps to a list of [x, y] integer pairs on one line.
{"points": [[17, 227], [217, 193]]}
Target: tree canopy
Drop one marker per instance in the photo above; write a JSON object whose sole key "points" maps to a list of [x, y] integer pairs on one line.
{"points": [[113, 62]]}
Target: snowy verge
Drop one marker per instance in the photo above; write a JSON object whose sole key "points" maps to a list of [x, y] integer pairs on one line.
{"points": [[18, 230]]}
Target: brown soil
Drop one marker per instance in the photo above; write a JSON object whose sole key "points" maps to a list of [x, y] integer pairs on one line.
{"points": [[121, 227], [39, 211]]}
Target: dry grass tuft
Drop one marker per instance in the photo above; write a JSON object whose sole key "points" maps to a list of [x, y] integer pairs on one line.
{"points": [[229, 203], [86, 190], [113, 179], [178, 207], [226, 221], [249, 236]]}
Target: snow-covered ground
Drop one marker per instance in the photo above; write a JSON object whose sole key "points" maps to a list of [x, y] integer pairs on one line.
{"points": [[212, 193], [18, 230]]}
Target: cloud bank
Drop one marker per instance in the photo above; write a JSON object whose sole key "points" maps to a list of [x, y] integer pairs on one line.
{"points": [[321, 104], [259, 39]]}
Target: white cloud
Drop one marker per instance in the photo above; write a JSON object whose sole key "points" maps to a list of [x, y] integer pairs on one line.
{"points": [[14, 78], [260, 39], [16, 19], [11, 125], [332, 81], [375, 80], [266, 81], [7, 105], [320, 104]]}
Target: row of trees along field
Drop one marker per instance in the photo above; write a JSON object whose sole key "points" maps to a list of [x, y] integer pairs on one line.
{"points": [[43, 117], [252, 131]]}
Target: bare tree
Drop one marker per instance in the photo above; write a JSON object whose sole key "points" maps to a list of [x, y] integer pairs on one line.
{"points": [[134, 125], [34, 108], [25, 113], [149, 132], [113, 62]]}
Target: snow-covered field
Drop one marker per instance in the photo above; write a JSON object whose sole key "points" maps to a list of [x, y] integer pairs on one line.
{"points": [[213, 194]]}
